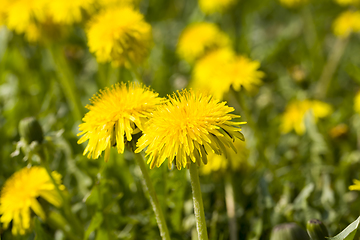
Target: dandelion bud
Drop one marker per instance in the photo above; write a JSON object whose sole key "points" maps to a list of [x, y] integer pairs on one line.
{"points": [[288, 231], [30, 130], [316, 230]]}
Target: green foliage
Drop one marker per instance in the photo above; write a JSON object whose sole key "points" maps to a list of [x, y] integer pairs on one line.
{"points": [[287, 177]]}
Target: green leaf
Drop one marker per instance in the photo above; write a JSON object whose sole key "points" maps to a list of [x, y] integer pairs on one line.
{"points": [[349, 232], [102, 234], [95, 224]]}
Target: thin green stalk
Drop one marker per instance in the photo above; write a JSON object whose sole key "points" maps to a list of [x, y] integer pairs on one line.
{"points": [[230, 207], [330, 67], [149, 188], [67, 83], [70, 217], [134, 71], [198, 203]]}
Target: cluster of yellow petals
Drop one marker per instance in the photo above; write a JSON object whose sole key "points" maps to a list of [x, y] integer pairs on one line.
{"points": [[114, 115], [356, 186], [116, 3], [69, 11], [29, 16], [231, 70], [199, 38], [233, 162], [188, 127], [19, 196], [213, 6], [347, 23], [293, 3], [357, 102], [120, 35], [294, 116]]}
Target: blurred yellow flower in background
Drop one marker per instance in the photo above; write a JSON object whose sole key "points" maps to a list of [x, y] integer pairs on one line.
{"points": [[116, 3], [198, 38], [21, 16], [211, 72], [188, 127], [220, 69], [347, 2], [347, 23], [244, 73], [219, 163], [213, 6], [357, 102], [19, 194], [68, 11], [120, 35], [294, 116], [356, 186], [114, 115]]}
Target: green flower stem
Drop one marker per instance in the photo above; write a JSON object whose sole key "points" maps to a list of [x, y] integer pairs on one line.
{"points": [[330, 67], [230, 207], [149, 188], [67, 83], [70, 217], [198, 203], [134, 71]]}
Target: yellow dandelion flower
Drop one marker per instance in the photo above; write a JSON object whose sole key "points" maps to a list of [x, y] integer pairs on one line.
{"points": [[293, 3], [188, 127], [68, 11], [198, 38], [114, 3], [356, 186], [346, 23], [357, 102], [211, 72], [347, 2], [294, 115], [21, 15], [244, 72], [115, 114], [213, 6], [120, 35], [235, 161], [219, 69], [19, 196]]}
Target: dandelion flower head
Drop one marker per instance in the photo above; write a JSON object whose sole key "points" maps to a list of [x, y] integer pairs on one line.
{"points": [[114, 115], [213, 6], [245, 73], [21, 16], [188, 127], [120, 35], [198, 38], [19, 196], [68, 11], [294, 116], [221, 68], [346, 23], [234, 162], [356, 186], [211, 72], [292, 3]]}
